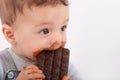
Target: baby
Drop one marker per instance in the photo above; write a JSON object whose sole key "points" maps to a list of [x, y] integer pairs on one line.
{"points": [[29, 26]]}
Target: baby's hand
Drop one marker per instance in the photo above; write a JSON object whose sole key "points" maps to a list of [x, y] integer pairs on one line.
{"points": [[66, 78], [31, 72]]}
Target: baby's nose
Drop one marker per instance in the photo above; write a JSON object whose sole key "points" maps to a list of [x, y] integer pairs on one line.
{"points": [[57, 41]]}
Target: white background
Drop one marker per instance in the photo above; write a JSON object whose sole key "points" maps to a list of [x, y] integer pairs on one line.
{"points": [[93, 38]]}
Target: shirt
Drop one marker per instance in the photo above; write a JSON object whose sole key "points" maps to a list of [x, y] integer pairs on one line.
{"points": [[16, 62]]}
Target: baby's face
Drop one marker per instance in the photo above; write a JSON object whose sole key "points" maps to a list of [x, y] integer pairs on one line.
{"points": [[40, 28]]}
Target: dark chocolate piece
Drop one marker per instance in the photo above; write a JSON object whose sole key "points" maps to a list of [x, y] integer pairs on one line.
{"points": [[54, 64]]}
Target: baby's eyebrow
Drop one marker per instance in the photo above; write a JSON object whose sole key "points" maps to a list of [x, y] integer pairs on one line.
{"points": [[50, 23], [44, 23]]}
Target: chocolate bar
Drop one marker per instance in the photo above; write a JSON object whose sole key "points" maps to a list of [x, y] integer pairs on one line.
{"points": [[54, 64]]}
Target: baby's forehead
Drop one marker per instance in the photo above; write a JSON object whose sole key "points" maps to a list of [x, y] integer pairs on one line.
{"points": [[42, 16]]}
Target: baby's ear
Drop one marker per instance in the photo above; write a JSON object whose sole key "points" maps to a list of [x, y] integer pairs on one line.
{"points": [[8, 33]]}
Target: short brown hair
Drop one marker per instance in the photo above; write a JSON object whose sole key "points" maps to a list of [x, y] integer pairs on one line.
{"points": [[8, 8]]}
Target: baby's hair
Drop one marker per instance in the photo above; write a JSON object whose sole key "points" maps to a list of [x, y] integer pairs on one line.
{"points": [[9, 8]]}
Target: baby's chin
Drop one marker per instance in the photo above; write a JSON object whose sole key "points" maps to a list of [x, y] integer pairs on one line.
{"points": [[31, 59]]}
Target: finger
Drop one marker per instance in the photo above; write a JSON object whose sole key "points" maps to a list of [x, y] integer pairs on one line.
{"points": [[29, 71], [66, 78], [30, 74], [32, 67], [36, 76]]}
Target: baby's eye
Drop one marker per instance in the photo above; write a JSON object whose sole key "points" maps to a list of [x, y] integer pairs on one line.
{"points": [[44, 31], [63, 28]]}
